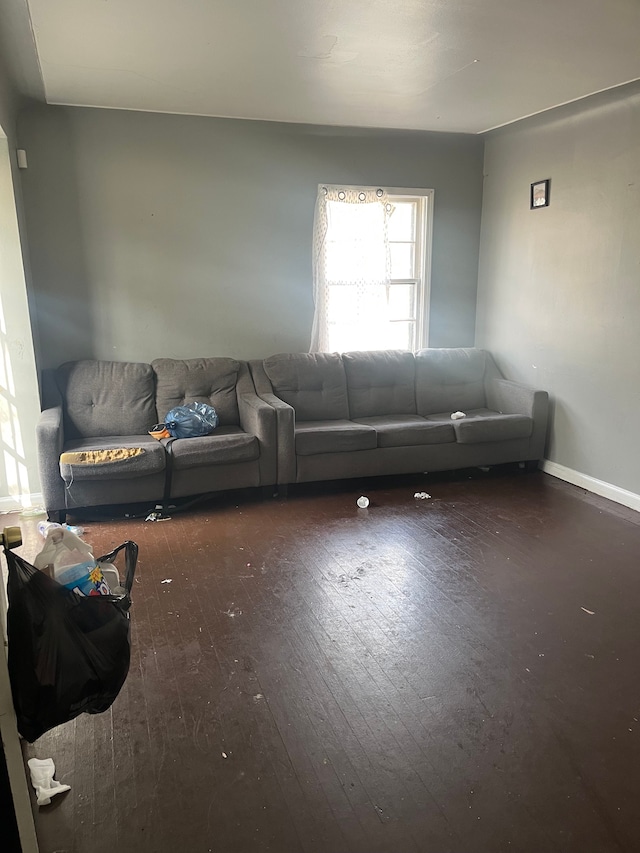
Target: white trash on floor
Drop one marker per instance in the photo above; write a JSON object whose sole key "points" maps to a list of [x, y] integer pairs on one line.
{"points": [[42, 771]]}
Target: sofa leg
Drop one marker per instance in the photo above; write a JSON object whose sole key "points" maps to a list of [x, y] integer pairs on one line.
{"points": [[531, 465], [283, 490], [59, 516], [269, 492]]}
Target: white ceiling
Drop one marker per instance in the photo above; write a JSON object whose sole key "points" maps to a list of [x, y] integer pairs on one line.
{"points": [[455, 65]]}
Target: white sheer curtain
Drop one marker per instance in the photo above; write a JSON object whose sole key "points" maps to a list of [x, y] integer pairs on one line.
{"points": [[351, 269]]}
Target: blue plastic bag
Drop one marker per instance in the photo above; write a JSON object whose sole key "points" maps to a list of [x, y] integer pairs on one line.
{"points": [[192, 420]]}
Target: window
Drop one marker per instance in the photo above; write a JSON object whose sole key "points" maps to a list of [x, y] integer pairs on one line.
{"points": [[372, 261]]}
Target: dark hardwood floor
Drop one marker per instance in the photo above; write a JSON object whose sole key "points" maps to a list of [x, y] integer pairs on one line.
{"points": [[453, 675]]}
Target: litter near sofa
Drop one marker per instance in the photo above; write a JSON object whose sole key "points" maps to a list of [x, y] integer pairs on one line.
{"points": [[42, 771], [421, 496], [159, 431], [590, 612], [457, 415], [363, 501], [45, 526], [167, 580], [157, 515], [232, 612], [68, 653], [192, 420]]}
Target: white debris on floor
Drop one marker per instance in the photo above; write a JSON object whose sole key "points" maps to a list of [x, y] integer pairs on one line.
{"points": [[42, 771]]}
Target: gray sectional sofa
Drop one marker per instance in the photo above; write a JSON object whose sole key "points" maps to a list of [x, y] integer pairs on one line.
{"points": [[292, 418], [103, 405], [389, 412]]}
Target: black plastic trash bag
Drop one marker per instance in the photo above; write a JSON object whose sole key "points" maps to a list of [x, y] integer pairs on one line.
{"points": [[192, 420], [67, 654]]}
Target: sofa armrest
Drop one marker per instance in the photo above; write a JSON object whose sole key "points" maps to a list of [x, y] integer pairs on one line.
{"points": [[512, 398], [285, 425], [50, 441], [261, 381], [258, 418]]}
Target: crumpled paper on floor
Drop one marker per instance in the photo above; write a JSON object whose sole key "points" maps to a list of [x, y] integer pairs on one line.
{"points": [[42, 771]]}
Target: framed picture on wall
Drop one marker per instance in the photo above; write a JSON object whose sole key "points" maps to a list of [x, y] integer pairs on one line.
{"points": [[540, 193]]}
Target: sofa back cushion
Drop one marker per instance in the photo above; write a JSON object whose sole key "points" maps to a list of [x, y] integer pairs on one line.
{"points": [[103, 398], [449, 379], [198, 380], [380, 383], [313, 383]]}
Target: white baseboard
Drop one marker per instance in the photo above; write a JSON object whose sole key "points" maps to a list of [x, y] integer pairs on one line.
{"points": [[20, 502], [591, 484]]}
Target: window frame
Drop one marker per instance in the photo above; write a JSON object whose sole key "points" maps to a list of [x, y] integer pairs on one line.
{"points": [[423, 247], [424, 242]]}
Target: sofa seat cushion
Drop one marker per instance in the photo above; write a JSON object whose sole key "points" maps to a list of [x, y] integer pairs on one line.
{"points": [[314, 383], [337, 436], [408, 430], [227, 445], [117, 466], [481, 425]]}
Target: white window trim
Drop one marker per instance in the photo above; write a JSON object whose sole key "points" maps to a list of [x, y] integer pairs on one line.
{"points": [[424, 246]]}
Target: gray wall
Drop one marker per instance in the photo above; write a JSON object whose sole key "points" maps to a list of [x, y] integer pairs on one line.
{"points": [[156, 235], [559, 288]]}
